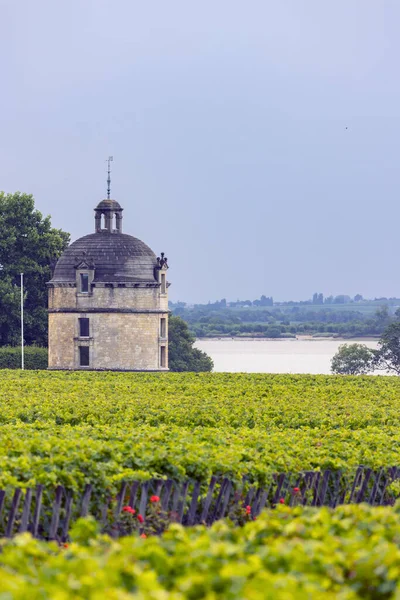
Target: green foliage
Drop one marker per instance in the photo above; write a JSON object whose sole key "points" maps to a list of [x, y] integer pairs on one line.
{"points": [[352, 359], [34, 358], [181, 354], [350, 553], [73, 428], [29, 245], [357, 359], [220, 320], [388, 355], [84, 530]]}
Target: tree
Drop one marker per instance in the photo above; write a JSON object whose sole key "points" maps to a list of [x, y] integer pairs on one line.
{"points": [[273, 332], [353, 359], [341, 299], [387, 356], [264, 301], [29, 245], [181, 354], [318, 298], [382, 316]]}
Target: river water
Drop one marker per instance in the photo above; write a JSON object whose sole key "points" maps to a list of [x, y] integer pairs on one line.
{"points": [[273, 356]]}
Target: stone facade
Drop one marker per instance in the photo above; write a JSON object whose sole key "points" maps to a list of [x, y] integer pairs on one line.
{"points": [[108, 303]]}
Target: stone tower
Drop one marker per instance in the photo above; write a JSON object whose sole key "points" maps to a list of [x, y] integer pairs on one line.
{"points": [[108, 301]]}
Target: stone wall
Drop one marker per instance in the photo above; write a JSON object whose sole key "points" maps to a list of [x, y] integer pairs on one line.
{"points": [[108, 297], [117, 340], [61, 340]]}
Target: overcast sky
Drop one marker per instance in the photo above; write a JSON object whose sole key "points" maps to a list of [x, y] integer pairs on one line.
{"points": [[256, 143]]}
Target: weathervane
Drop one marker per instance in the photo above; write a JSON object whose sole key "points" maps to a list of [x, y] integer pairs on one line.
{"points": [[109, 160]]}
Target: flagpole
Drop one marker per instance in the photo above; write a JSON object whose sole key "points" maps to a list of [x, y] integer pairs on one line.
{"points": [[22, 322]]}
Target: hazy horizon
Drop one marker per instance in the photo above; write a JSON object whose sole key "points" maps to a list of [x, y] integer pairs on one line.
{"points": [[375, 298], [255, 143]]}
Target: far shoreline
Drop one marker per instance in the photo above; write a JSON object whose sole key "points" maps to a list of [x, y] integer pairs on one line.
{"points": [[298, 338]]}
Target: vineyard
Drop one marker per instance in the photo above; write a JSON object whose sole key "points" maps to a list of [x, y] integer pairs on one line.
{"points": [[104, 430], [77, 428], [347, 554]]}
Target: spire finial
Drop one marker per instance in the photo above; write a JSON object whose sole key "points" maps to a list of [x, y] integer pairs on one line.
{"points": [[109, 160]]}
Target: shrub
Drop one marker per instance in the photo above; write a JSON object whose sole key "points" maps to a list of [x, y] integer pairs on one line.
{"points": [[35, 358], [352, 359], [350, 553]]}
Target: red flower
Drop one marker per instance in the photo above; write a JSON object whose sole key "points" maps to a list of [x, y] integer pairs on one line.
{"points": [[296, 490], [128, 509], [140, 519], [65, 545], [143, 535], [155, 499], [282, 500], [248, 510]]}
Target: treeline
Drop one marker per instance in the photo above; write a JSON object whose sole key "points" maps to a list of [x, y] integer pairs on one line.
{"points": [[351, 329], [318, 299], [276, 322]]}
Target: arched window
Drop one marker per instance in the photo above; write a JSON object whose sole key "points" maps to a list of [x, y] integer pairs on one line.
{"points": [[114, 222], [103, 221]]}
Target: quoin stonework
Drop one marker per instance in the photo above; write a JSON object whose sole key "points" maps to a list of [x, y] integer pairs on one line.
{"points": [[108, 301]]}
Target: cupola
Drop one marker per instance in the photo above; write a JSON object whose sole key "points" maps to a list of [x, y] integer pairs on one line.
{"points": [[108, 216]]}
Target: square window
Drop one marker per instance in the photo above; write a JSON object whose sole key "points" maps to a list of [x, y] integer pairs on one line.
{"points": [[83, 356], [84, 283], [84, 327]]}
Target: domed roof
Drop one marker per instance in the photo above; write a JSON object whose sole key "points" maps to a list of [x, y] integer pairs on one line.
{"points": [[109, 205], [115, 257]]}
